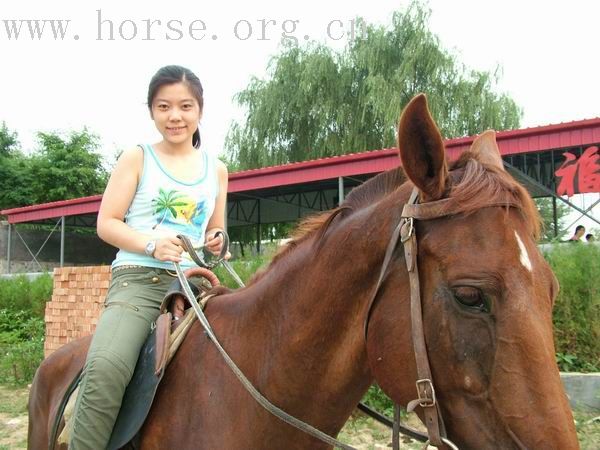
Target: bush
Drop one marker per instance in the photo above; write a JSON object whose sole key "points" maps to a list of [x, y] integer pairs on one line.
{"points": [[22, 330], [22, 294], [21, 346], [577, 308]]}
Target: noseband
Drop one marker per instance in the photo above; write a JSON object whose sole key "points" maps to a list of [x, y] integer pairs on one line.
{"points": [[405, 232]]}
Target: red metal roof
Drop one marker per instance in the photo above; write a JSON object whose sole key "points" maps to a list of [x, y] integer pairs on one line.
{"points": [[536, 139], [570, 134], [73, 207], [582, 132]]}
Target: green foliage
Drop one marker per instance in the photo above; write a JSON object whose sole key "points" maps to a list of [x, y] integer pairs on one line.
{"points": [[15, 174], [566, 362], [8, 141], [22, 330], [21, 345], [544, 205], [16, 181], [67, 168], [246, 235], [60, 169], [22, 294], [245, 268], [317, 102], [577, 308], [376, 399]]}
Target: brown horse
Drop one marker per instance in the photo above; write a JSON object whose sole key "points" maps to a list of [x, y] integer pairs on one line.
{"points": [[298, 330]]}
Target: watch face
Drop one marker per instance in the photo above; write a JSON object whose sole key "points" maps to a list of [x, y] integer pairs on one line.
{"points": [[150, 247]]}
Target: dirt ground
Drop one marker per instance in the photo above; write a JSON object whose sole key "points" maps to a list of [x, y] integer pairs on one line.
{"points": [[360, 431], [13, 418]]}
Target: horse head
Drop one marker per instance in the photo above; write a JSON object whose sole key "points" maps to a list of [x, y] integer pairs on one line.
{"points": [[487, 295]]}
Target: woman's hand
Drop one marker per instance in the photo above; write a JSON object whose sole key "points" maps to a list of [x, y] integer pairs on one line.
{"points": [[168, 249], [214, 243]]}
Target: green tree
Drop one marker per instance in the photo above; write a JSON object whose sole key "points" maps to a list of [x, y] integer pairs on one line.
{"points": [[16, 181], [8, 141], [317, 102], [67, 168], [60, 169], [545, 208], [245, 235], [15, 176]]}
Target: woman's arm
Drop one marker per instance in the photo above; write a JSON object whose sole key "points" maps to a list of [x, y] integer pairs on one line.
{"points": [[116, 200], [217, 220]]}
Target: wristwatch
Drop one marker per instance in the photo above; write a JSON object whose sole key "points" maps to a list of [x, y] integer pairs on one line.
{"points": [[150, 248]]}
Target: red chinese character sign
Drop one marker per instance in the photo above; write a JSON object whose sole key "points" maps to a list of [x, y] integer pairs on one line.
{"points": [[579, 175]]}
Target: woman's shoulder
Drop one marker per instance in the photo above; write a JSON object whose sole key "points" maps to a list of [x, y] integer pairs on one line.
{"points": [[221, 169], [130, 159], [220, 165], [132, 154]]}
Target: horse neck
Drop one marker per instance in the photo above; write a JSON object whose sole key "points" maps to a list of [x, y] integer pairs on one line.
{"points": [[306, 315]]}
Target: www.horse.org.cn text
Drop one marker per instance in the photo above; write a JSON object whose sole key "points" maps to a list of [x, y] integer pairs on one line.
{"points": [[108, 27]]}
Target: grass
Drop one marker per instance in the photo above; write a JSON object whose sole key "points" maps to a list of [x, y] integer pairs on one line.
{"points": [[588, 430], [13, 418], [13, 401], [364, 433]]}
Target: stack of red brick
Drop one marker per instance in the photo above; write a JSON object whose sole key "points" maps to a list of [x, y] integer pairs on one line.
{"points": [[76, 304]]}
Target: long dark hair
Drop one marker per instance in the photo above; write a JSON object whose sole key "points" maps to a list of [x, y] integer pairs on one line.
{"points": [[177, 74]]}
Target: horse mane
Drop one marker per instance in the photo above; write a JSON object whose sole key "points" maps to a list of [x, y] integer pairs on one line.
{"points": [[472, 184], [480, 182]]}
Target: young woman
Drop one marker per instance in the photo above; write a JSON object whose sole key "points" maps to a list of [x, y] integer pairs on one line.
{"points": [[155, 193]]}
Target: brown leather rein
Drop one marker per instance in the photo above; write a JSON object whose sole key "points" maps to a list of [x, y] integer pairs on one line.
{"points": [[405, 232]]}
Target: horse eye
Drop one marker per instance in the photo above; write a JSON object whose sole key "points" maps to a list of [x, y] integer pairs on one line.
{"points": [[471, 298]]}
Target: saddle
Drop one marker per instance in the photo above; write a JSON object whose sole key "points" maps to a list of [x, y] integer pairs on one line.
{"points": [[156, 353]]}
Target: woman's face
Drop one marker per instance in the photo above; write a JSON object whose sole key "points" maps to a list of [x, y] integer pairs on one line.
{"points": [[176, 113]]}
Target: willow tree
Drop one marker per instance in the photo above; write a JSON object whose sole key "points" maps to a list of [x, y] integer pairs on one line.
{"points": [[318, 102]]}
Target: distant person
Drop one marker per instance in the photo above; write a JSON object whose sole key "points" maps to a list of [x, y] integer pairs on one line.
{"points": [[579, 232], [590, 237]]}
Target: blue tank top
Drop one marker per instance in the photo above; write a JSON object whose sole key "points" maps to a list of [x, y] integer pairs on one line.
{"points": [[165, 206]]}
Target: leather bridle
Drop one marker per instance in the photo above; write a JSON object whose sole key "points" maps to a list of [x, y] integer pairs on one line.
{"points": [[405, 232]]}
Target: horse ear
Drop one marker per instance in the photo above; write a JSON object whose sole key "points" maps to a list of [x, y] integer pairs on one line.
{"points": [[486, 148], [422, 149]]}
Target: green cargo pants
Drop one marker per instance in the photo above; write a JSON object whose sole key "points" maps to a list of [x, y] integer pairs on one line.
{"points": [[131, 307]]}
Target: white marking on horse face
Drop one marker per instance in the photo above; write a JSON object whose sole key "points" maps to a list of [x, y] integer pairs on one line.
{"points": [[524, 256]]}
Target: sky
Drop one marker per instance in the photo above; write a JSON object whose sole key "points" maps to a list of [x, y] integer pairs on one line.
{"points": [[97, 75]]}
